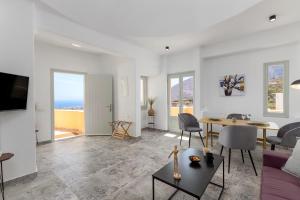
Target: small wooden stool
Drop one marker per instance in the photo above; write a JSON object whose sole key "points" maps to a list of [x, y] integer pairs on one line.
{"points": [[120, 129], [4, 157]]}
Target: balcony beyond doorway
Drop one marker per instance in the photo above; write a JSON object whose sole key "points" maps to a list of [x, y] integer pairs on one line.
{"points": [[68, 123], [68, 102]]}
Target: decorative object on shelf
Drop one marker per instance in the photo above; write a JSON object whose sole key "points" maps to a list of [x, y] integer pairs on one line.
{"points": [[296, 84], [120, 129], [232, 85], [4, 157], [176, 173], [151, 112]]}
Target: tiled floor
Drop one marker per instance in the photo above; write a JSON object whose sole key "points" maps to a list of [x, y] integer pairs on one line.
{"points": [[101, 167]]}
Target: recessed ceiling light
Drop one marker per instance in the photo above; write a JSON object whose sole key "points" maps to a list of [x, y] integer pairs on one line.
{"points": [[167, 48], [272, 18], [75, 45]]}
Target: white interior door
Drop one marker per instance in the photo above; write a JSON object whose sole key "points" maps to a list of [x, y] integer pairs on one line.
{"points": [[98, 104]]}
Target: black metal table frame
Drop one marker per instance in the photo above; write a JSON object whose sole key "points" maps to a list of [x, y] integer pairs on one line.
{"points": [[2, 182], [187, 192]]}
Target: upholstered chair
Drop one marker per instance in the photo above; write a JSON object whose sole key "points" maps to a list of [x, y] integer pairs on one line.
{"points": [[286, 136], [189, 123], [239, 137]]}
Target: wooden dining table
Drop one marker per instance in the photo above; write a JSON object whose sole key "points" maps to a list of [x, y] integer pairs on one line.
{"points": [[264, 126]]}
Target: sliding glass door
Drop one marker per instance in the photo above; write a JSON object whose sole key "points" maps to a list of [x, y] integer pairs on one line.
{"points": [[180, 97]]}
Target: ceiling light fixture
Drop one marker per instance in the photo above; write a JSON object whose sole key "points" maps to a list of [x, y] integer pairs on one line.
{"points": [[272, 18], [167, 48], [75, 45]]}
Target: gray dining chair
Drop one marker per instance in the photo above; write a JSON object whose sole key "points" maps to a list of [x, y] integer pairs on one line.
{"points": [[286, 136], [239, 137], [189, 123], [237, 116]]}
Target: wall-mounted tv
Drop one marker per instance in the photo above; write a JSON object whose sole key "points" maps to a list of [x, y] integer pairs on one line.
{"points": [[13, 91]]}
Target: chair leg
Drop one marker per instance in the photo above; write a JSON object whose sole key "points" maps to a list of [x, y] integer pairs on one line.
{"points": [[221, 150], [211, 136], [252, 162], [229, 158], [242, 156], [181, 137], [201, 138], [190, 140], [272, 147]]}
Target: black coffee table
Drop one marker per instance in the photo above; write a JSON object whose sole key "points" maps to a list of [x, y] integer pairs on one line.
{"points": [[194, 178]]}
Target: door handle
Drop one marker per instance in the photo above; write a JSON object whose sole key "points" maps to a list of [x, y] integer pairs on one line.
{"points": [[110, 107]]}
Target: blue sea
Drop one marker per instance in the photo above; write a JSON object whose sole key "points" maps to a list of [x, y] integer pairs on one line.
{"points": [[69, 104]]}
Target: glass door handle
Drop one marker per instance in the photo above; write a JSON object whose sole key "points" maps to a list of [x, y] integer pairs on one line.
{"points": [[110, 107]]}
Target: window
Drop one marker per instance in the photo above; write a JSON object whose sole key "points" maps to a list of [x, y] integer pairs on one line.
{"points": [[276, 90], [144, 95]]}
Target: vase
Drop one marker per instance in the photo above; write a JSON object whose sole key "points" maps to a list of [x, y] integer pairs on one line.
{"points": [[228, 92], [151, 112]]}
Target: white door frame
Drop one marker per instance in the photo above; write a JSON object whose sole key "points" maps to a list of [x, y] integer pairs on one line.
{"points": [[52, 71], [180, 75]]}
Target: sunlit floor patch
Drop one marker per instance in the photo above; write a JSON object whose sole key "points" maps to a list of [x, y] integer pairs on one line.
{"points": [[183, 138], [170, 135]]}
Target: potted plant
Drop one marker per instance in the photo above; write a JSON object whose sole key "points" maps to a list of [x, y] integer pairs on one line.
{"points": [[151, 112]]}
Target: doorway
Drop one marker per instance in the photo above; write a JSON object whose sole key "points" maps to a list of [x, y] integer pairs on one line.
{"points": [[68, 104], [180, 97]]}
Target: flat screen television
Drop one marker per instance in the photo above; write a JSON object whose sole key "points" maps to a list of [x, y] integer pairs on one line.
{"points": [[13, 91]]}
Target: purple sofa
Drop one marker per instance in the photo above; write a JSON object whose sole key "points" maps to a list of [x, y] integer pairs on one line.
{"points": [[277, 184]]}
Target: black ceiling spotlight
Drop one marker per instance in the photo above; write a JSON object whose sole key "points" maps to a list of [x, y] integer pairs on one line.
{"points": [[167, 48], [272, 18]]}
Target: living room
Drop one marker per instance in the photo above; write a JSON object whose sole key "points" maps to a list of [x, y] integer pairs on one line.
{"points": [[225, 66]]}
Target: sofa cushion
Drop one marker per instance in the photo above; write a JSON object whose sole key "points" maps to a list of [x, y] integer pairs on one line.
{"points": [[277, 184], [292, 166]]}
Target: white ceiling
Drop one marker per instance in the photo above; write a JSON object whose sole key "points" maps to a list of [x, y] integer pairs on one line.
{"points": [[177, 23]]}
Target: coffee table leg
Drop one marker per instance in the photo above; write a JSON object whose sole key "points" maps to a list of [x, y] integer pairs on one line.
{"points": [[153, 191], [223, 185], [2, 183]]}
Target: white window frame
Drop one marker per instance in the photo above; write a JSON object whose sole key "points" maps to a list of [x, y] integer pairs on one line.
{"points": [[285, 113], [145, 92]]}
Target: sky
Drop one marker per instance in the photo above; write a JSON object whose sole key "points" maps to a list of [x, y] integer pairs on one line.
{"points": [[275, 71], [68, 86]]}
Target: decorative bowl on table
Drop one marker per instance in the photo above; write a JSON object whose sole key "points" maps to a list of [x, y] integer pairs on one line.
{"points": [[194, 158]]}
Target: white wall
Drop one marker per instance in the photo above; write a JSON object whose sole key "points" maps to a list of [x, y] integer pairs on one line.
{"points": [[243, 55], [144, 61], [16, 57], [49, 57], [249, 63]]}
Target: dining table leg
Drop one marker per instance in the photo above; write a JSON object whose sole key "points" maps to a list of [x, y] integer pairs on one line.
{"points": [[264, 138], [211, 136], [206, 137]]}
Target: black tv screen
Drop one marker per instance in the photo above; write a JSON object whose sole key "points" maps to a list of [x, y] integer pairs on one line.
{"points": [[13, 91]]}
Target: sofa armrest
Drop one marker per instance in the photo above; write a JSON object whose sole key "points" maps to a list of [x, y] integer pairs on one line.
{"points": [[275, 159]]}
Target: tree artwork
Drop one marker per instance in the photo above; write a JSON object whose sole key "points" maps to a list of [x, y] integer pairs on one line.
{"points": [[232, 85]]}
